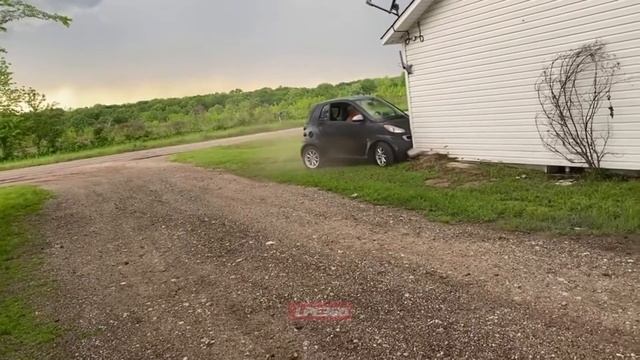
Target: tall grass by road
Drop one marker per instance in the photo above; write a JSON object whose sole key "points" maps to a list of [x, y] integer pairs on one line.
{"points": [[150, 144], [508, 197], [22, 333]]}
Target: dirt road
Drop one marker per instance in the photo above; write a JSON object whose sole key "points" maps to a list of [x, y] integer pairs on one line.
{"points": [[160, 260], [39, 174]]}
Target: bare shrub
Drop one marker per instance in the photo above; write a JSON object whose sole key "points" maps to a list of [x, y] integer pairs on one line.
{"points": [[571, 91]]}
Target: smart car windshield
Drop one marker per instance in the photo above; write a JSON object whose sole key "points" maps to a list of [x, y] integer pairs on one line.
{"points": [[379, 110]]}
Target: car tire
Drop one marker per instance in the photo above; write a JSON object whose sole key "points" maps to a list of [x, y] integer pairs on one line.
{"points": [[383, 155], [311, 157]]}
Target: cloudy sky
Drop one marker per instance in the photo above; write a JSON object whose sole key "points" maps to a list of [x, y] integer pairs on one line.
{"points": [[126, 50]]}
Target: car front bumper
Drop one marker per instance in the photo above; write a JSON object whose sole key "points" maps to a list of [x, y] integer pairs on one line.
{"points": [[401, 144]]}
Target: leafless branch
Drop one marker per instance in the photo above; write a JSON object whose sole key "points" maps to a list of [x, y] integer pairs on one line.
{"points": [[571, 91]]}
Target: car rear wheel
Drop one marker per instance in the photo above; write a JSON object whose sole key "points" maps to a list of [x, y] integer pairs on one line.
{"points": [[311, 157], [383, 155]]}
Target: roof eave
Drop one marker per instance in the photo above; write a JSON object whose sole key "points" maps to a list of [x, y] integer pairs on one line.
{"points": [[404, 23], [392, 38]]}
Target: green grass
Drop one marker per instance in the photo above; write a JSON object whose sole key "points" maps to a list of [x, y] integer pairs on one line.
{"points": [[149, 144], [488, 194], [22, 334]]}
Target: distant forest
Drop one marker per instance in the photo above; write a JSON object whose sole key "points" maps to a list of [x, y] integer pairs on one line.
{"points": [[53, 130]]}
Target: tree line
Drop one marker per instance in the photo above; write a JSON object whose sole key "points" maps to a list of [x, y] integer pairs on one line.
{"points": [[38, 128]]}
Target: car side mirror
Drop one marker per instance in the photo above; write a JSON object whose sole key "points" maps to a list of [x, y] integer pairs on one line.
{"points": [[358, 118]]}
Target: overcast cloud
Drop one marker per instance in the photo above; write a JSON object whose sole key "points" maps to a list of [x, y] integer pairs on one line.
{"points": [[127, 50]]}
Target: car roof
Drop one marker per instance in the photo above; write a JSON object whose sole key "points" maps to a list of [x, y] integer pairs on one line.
{"points": [[348, 98]]}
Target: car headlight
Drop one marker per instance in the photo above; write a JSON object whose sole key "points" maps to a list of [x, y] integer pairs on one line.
{"points": [[395, 129]]}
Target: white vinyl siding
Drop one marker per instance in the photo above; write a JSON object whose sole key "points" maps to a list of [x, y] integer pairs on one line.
{"points": [[472, 92]]}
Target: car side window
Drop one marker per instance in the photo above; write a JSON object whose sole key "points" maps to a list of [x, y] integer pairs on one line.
{"points": [[324, 114]]}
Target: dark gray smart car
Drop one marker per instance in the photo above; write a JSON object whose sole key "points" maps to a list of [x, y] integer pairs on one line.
{"points": [[362, 127]]}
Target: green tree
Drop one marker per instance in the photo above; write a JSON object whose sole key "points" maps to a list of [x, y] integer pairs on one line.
{"points": [[13, 10], [10, 95], [368, 86], [13, 99], [10, 11], [10, 135], [33, 100], [45, 128]]}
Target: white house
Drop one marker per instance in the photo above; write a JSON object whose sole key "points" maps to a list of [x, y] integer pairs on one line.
{"points": [[472, 87]]}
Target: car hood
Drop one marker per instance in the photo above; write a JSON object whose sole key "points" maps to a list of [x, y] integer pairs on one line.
{"points": [[402, 122]]}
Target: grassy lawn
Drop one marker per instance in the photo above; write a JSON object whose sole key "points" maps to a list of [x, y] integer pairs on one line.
{"points": [[511, 198], [142, 145], [22, 334]]}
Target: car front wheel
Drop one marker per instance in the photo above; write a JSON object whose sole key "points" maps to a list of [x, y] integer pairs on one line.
{"points": [[383, 155], [311, 157]]}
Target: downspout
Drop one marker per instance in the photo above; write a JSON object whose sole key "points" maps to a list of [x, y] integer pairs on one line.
{"points": [[407, 79]]}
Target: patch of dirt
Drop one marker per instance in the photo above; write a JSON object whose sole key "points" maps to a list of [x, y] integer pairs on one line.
{"points": [[426, 162], [461, 165], [449, 172], [438, 182], [160, 260]]}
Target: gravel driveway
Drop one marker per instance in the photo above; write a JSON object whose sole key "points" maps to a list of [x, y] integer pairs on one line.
{"points": [[160, 260], [39, 174]]}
